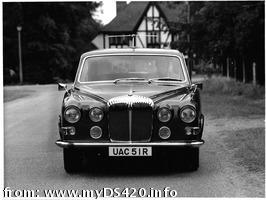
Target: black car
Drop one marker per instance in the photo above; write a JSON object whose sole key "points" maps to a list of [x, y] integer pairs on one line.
{"points": [[131, 103]]}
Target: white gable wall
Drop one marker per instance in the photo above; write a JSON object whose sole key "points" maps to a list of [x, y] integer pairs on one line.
{"points": [[156, 12], [154, 24], [142, 26], [141, 39], [98, 41]]}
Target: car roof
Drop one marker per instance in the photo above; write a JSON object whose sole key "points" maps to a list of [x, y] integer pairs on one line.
{"points": [[133, 50]]}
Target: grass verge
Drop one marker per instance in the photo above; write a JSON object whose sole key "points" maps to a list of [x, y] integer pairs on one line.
{"points": [[222, 85], [226, 98]]}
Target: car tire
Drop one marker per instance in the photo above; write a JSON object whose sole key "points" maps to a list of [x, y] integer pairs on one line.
{"points": [[72, 160], [191, 159]]}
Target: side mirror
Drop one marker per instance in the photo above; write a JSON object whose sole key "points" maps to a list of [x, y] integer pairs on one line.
{"points": [[62, 87], [198, 85]]}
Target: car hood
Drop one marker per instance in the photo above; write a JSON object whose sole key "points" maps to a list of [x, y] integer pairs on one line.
{"points": [[156, 91]]}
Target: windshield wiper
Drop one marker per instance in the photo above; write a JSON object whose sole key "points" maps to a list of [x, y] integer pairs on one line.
{"points": [[164, 79], [129, 79]]}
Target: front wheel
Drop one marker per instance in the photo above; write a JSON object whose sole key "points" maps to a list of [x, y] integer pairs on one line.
{"points": [[72, 160]]}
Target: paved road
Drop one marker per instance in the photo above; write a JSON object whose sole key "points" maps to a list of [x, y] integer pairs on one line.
{"points": [[33, 161]]}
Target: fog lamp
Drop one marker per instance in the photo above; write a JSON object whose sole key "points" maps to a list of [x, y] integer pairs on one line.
{"points": [[164, 132], [96, 132]]}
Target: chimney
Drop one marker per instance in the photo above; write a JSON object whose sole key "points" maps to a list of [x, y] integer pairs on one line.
{"points": [[120, 5]]}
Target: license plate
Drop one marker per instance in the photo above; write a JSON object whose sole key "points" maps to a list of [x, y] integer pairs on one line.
{"points": [[130, 151]]}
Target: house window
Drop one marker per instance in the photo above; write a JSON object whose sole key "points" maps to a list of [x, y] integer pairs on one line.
{"points": [[112, 40], [118, 40], [153, 39]]}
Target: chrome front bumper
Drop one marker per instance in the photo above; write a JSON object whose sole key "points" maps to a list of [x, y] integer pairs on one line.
{"points": [[178, 143]]}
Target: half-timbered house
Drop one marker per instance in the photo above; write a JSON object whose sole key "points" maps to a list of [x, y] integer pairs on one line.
{"points": [[154, 24]]}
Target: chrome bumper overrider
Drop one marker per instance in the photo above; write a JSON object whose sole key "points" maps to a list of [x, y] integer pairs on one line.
{"points": [[179, 143]]}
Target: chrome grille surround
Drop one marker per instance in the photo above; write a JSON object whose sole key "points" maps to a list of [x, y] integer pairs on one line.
{"points": [[130, 100]]}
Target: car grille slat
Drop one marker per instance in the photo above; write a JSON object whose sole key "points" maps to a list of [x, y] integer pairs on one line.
{"points": [[118, 122], [141, 123]]}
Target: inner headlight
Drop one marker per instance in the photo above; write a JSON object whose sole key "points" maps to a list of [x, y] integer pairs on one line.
{"points": [[96, 114], [164, 114], [72, 114], [188, 114]]}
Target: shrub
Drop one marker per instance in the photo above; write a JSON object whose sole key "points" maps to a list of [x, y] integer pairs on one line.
{"points": [[219, 84], [205, 68]]}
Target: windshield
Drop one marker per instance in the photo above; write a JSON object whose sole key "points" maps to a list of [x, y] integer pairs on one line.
{"points": [[131, 66]]}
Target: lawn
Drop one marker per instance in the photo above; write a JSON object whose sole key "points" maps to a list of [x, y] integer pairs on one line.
{"points": [[227, 98]]}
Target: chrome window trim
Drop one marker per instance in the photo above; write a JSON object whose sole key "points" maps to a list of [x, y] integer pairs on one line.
{"points": [[183, 64]]}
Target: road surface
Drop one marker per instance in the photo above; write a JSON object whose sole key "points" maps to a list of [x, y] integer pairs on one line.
{"points": [[33, 161]]}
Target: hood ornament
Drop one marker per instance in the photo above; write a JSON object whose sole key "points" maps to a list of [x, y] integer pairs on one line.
{"points": [[130, 100], [131, 92]]}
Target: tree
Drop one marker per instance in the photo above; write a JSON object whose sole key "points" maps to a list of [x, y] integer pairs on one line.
{"points": [[229, 29], [53, 37]]}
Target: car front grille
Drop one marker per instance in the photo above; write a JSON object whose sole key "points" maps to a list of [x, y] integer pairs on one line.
{"points": [[130, 118]]}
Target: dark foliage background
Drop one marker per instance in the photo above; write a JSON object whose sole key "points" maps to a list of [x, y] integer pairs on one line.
{"points": [[227, 29], [54, 35]]}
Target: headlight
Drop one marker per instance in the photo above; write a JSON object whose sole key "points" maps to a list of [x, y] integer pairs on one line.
{"points": [[164, 114], [188, 114], [72, 114], [96, 114]]}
